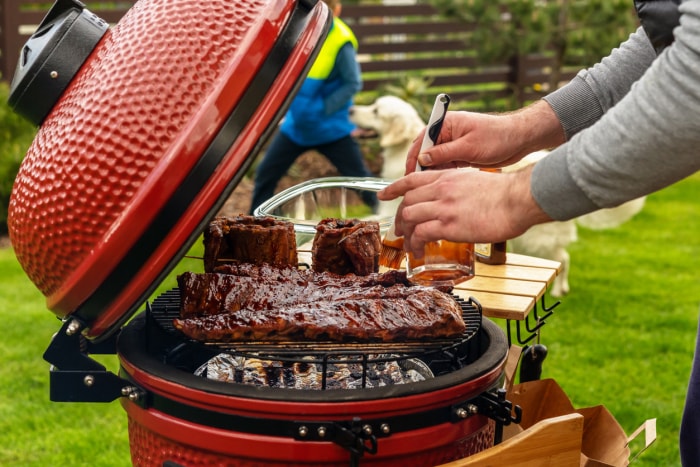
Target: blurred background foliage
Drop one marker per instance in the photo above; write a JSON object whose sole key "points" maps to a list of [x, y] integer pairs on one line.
{"points": [[16, 134], [574, 32]]}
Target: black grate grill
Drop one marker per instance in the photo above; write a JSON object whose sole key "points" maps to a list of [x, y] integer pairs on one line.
{"points": [[440, 355]]}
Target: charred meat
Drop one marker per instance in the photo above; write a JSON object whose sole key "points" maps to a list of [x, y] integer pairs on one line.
{"points": [[249, 239], [346, 246], [265, 272], [423, 313], [265, 287]]}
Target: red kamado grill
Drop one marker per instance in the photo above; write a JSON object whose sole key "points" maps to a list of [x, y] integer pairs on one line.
{"points": [[144, 130]]}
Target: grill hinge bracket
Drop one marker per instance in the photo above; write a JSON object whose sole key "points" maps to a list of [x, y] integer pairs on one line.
{"points": [[74, 375], [492, 404], [358, 437]]}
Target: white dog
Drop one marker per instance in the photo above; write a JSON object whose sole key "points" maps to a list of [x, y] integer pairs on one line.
{"points": [[397, 124]]}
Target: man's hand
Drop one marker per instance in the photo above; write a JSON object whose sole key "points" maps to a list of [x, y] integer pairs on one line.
{"points": [[463, 205]]}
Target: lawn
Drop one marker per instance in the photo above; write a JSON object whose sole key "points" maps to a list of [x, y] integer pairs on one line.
{"points": [[623, 337], [35, 431]]}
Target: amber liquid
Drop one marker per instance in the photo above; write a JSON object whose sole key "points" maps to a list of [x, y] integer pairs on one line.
{"points": [[443, 263]]}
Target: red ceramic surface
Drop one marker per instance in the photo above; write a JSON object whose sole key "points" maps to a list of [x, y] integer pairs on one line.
{"points": [[177, 415], [135, 121], [157, 437]]}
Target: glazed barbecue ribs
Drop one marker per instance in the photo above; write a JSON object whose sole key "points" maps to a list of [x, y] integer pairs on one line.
{"points": [[289, 304]]}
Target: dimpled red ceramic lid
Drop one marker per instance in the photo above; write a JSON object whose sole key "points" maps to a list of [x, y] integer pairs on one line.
{"points": [[152, 133]]}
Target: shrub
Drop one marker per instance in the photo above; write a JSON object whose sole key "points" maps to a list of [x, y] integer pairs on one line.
{"points": [[16, 134]]}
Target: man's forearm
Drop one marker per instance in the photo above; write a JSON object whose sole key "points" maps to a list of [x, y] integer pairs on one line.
{"points": [[538, 127], [524, 211]]}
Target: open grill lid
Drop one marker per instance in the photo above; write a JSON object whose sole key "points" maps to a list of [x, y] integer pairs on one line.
{"points": [[146, 140]]}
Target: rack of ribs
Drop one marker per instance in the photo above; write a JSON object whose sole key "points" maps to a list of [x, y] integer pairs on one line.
{"points": [[250, 302], [217, 293], [411, 315], [266, 272]]}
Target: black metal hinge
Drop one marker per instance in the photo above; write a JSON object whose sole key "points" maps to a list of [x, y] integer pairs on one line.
{"points": [[75, 376], [356, 436], [492, 404]]}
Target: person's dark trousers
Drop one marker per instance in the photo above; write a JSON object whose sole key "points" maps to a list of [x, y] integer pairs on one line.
{"points": [[344, 154], [690, 425]]}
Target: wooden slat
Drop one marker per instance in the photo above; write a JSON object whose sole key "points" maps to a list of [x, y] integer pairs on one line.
{"points": [[418, 64], [523, 260], [441, 81], [498, 305], [504, 286], [363, 30], [510, 271], [555, 441], [368, 11], [490, 75], [510, 291], [30, 17], [412, 47]]}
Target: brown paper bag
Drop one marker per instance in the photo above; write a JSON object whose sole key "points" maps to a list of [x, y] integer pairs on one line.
{"points": [[604, 442]]}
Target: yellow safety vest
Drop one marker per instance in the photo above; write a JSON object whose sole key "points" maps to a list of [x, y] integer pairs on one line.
{"points": [[339, 35]]}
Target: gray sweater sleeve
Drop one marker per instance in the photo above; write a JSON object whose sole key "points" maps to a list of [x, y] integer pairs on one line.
{"points": [[594, 91], [632, 124]]}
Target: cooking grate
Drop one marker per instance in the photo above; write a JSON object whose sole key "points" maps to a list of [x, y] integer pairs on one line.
{"points": [[166, 307]]}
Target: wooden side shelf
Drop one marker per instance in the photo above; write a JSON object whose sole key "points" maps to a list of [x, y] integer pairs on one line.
{"points": [[510, 291]]}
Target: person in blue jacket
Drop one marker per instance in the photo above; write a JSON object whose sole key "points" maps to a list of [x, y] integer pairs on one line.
{"points": [[318, 117]]}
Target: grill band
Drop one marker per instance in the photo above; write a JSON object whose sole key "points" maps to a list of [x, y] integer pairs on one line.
{"points": [[295, 428], [143, 345]]}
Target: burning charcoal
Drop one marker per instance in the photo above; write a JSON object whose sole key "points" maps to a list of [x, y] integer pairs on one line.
{"points": [[309, 376]]}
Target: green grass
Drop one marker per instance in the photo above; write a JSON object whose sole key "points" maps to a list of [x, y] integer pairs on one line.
{"points": [[36, 432], [623, 338]]}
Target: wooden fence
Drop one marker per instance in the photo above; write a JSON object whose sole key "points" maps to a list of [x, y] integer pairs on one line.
{"points": [[396, 42], [400, 41]]}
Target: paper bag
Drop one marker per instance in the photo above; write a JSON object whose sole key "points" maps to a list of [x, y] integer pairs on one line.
{"points": [[604, 442]]}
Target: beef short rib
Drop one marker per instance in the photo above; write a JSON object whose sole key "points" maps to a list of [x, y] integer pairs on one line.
{"points": [[346, 246], [249, 239]]}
